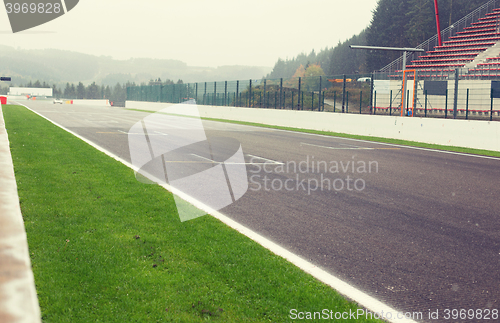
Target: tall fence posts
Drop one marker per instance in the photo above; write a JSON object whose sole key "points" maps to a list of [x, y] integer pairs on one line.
{"points": [[225, 93], [372, 88], [491, 109], [446, 105], [205, 94], [214, 102], [302, 100], [281, 93], [312, 100], [467, 106], [407, 102], [415, 87], [298, 97], [347, 102], [455, 99], [425, 103], [343, 92], [265, 93], [319, 99], [237, 101], [323, 100], [196, 92], [250, 95], [390, 103], [334, 100], [375, 102], [360, 101]]}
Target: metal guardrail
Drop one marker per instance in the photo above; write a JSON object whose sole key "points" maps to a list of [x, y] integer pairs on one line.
{"points": [[446, 34]]}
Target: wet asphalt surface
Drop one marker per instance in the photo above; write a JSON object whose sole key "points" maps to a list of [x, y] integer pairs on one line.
{"points": [[415, 228]]}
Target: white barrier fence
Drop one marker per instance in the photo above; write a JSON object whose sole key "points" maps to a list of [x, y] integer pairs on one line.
{"points": [[449, 132]]}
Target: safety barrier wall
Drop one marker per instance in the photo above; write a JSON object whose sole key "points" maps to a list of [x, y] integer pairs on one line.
{"points": [[92, 102], [81, 102], [460, 133]]}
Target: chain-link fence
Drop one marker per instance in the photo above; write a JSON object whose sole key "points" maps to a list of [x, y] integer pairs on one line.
{"points": [[442, 96]]}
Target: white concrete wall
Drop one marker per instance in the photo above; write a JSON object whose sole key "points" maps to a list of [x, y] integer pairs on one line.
{"points": [[479, 95], [460, 133], [101, 103], [30, 90]]}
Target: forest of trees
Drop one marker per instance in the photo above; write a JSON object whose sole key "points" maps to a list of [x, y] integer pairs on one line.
{"points": [[117, 93], [395, 23]]}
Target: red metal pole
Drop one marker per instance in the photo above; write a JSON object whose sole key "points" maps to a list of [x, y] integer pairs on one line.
{"points": [[437, 23]]}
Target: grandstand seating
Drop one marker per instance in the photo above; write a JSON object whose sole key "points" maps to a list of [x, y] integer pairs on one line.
{"points": [[462, 49]]}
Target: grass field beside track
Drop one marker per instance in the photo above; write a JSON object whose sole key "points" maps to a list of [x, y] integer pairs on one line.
{"points": [[107, 248]]}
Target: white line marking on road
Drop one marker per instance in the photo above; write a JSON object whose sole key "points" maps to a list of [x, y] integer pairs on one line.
{"points": [[339, 285], [387, 144], [136, 133], [226, 163], [368, 141], [339, 148], [262, 158], [213, 161]]}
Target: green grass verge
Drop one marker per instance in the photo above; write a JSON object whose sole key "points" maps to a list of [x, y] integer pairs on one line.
{"points": [[473, 151], [106, 248]]}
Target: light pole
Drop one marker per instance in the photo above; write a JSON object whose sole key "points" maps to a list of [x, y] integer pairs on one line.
{"points": [[399, 49]]}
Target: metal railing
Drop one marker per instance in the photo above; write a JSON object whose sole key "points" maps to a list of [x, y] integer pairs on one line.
{"points": [[376, 93], [446, 34]]}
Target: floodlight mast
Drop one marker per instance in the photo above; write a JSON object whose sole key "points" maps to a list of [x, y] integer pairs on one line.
{"points": [[398, 49]]}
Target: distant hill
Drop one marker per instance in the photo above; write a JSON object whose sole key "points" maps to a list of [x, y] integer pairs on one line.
{"points": [[59, 67]]}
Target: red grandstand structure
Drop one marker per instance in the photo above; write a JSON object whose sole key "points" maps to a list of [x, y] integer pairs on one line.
{"points": [[472, 45]]}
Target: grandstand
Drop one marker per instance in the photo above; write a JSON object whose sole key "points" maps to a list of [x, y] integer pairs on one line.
{"points": [[472, 45]]}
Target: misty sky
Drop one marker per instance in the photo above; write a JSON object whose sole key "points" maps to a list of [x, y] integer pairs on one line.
{"points": [[198, 32]]}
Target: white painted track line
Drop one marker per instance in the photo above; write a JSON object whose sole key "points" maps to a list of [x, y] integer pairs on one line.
{"points": [[267, 160], [363, 299]]}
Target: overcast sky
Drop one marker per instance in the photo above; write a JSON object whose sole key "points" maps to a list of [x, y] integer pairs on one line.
{"points": [[198, 32]]}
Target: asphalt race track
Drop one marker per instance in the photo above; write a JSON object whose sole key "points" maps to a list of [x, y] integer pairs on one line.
{"points": [[417, 229]]}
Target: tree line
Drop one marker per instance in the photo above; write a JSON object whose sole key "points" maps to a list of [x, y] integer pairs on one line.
{"points": [[394, 23], [93, 91]]}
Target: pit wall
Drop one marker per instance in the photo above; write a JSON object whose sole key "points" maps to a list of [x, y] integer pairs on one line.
{"points": [[449, 132]]}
